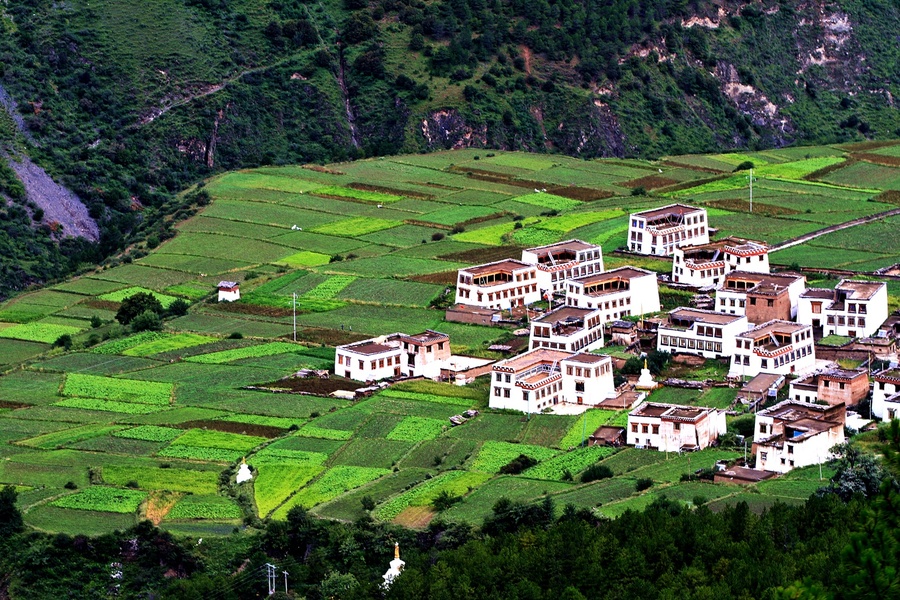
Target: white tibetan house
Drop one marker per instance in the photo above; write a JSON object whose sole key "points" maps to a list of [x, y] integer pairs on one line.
{"points": [[229, 291]]}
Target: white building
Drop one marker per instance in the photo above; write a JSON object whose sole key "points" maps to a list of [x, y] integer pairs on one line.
{"points": [[707, 264], [853, 308], [541, 379], [394, 355], [703, 332], [500, 285], [370, 360], [618, 293], [795, 434], [760, 296], [885, 398], [561, 261], [673, 427], [395, 568], [779, 347], [661, 230], [568, 329], [229, 291]]}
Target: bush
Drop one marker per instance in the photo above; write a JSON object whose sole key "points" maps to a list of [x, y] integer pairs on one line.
{"points": [[368, 503], [518, 464], [444, 500], [178, 308], [63, 341], [236, 335], [744, 166], [146, 321], [639, 191], [137, 304], [457, 229], [436, 237], [71, 485], [596, 472], [643, 484], [96, 322]]}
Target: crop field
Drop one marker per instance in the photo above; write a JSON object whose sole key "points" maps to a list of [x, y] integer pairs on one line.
{"points": [[133, 404], [123, 390], [106, 499]]}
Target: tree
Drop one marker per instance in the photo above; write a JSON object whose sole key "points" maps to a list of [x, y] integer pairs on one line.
{"points": [[10, 517], [857, 473], [146, 321], [134, 305], [63, 341], [178, 308]]}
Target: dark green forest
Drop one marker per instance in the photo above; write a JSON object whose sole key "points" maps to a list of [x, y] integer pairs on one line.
{"points": [[841, 544], [127, 103]]}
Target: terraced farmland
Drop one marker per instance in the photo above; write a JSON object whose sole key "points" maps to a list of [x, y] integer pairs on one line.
{"points": [[125, 426]]}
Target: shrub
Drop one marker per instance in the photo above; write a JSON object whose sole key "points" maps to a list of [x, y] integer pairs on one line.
{"points": [[457, 229], [596, 472], [639, 191], [96, 322], [744, 166], [236, 335], [63, 341], [444, 500], [643, 484], [137, 304], [367, 503], [437, 236], [146, 321], [178, 308], [71, 485], [518, 464]]}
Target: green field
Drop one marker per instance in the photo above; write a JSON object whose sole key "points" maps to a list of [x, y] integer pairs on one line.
{"points": [[91, 431]]}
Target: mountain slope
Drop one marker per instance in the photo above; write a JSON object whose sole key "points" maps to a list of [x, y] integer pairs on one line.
{"points": [[127, 102]]}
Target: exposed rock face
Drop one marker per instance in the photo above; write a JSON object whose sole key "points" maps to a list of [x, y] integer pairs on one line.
{"points": [[447, 129], [753, 103]]}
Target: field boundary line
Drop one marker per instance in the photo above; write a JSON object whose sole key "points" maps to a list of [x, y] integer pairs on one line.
{"points": [[832, 228]]}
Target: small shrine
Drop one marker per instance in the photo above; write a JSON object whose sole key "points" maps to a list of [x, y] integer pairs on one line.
{"points": [[244, 473], [645, 381], [395, 569]]}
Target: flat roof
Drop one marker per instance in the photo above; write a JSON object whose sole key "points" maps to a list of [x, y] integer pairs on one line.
{"points": [[531, 358], [704, 316], [889, 376], [860, 290], [584, 357], [792, 410], [369, 348], [572, 244], [425, 337], [775, 326], [501, 266], [678, 209], [626, 272], [844, 374], [566, 312], [820, 293], [744, 474], [761, 278], [227, 284]]}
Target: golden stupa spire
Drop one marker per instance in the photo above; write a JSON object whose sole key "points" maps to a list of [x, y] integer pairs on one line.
{"points": [[397, 550]]}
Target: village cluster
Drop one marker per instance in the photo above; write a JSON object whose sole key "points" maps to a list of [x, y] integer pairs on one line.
{"points": [[765, 324]]}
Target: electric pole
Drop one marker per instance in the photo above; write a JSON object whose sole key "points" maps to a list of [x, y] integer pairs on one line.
{"points": [[294, 305], [270, 575], [285, 581], [751, 189]]}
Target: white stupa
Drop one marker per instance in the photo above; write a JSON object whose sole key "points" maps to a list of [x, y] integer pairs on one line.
{"points": [[645, 381], [395, 569], [244, 473]]}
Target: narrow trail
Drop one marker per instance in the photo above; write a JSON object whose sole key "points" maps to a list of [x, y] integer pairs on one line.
{"points": [[345, 96], [831, 229]]}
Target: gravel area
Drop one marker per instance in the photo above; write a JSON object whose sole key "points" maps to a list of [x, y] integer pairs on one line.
{"points": [[60, 204]]}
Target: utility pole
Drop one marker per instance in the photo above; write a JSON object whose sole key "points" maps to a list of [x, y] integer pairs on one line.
{"points": [[751, 189], [294, 304], [270, 576], [285, 581]]}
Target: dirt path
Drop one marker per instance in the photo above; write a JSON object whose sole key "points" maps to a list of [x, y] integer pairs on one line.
{"points": [[820, 232], [60, 204]]}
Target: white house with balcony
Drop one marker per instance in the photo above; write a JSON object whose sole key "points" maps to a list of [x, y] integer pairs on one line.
{"points": [[795, 434], [618, 293], [852, 308], [886, 395], [559, 262], [673, 427], [707, 264], [703, 332], [544, 379], [568, 329], [394, 355], [779, 347], [499, 285], [660, 230]]}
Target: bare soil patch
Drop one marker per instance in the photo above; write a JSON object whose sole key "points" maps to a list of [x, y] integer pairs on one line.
{"points": [[321, 169], [266, 431], [443, 278], [742, 205], [389, 190], [314, 385], [483, 255], [415, 517], [650, 182], [252, 309]]}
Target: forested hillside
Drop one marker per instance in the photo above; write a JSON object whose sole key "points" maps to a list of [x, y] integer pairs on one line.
{"points": [[127, 102]]}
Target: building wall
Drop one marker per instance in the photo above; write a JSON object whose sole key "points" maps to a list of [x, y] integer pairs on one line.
{"points": [[588, 384], [368, 367], [523, 289], [642, 297], [641, 241], [880, 391], [227, 296], [804, 392], [799, 359], [811, 451], [753, 264], [763, 308], [848, 393], [680, 340]]}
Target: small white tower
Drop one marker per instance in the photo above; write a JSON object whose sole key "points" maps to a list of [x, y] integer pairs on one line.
{"points": [[395, 569], [244, 473]]}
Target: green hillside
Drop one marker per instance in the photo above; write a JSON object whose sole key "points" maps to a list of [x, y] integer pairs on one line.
{"points": [[127, 103]]}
